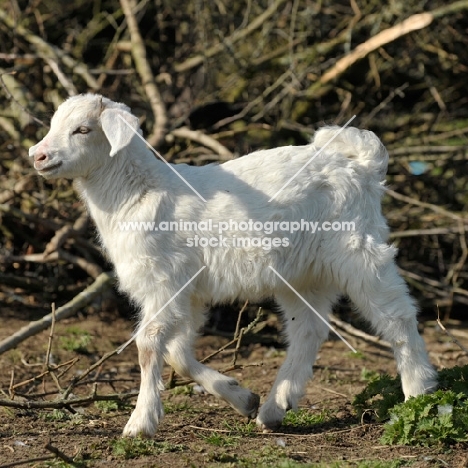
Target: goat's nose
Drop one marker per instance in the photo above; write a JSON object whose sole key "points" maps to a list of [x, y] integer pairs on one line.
{"points": [[40, 156]]}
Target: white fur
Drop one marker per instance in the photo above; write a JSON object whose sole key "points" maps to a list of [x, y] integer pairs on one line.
{"points": [[343, 183]]}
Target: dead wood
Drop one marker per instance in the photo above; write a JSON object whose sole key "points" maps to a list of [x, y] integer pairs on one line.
{"points": [[101, 284], [400, 70], [206, 140], [66, 403], [146, 75]]}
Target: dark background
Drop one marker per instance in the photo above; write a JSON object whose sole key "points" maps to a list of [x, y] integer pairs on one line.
{"points": [[258, 64]]}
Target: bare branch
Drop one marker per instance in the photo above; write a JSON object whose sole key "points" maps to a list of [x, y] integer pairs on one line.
{"points": [[203, 139], [146, 75], [236, 37], [102, 283]]}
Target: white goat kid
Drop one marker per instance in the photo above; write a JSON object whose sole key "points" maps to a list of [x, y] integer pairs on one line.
{"points": [[343, 183]]}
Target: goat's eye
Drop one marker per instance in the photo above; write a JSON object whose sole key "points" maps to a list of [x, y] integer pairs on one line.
{"points": [[82, 130]]}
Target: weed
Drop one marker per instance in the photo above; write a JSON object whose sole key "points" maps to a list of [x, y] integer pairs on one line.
{"points": [[183, 390], [437, 418], [369, 375], [170, 407], [303, 417], [15, 356], [77, 340], [243, 428], [281, 462], [107, 406], [221, 440], [356, 355], [380, 464], [381, 394], [270, 456], [62, 464], [134, 448], [56, 415], [440, 417], [223, 458]]}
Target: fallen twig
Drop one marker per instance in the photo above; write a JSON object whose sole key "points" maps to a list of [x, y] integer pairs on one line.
{"points": [[71, 362], [244, 331], [59, 454], [84, 374], [101, 284], [347, 327], [27, 461], [62, 403]]}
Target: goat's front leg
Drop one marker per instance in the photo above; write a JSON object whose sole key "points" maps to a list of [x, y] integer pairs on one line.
{"points": [[180, 357], [149, 410]]}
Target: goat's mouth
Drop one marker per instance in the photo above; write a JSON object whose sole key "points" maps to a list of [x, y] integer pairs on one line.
{"points": [[49, 168]]}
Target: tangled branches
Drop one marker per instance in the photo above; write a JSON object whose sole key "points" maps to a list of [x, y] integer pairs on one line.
{"points": [[210, 83]]}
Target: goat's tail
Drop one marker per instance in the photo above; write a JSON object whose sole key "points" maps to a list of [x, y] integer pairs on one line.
{"points": [[361, 145]]}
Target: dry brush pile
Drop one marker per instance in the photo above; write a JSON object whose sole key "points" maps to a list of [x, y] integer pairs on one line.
{"points": [[214, 79]]}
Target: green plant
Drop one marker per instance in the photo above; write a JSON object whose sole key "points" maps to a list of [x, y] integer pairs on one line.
{"points": [[183, 390], [369, 375], [440, 417], [268, 456], [303, 417], [107, 406], [170, 407], [437, 418], [221, 440], [77, 340], [243, 428], [381, 394], [134, 448], [356, 355], [56, 415]]}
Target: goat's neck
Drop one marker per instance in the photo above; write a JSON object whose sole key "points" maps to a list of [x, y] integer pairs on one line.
{"points": [[113, 192]]}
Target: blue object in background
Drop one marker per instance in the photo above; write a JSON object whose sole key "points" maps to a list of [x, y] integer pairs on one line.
{"points": [[418, 167]]}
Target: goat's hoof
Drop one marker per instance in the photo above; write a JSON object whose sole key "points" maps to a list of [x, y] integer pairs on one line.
{"points": [[248, 405], [136, 431], [419, 386], [268, 428], [270, 417], [252, 405], [140, 427]]}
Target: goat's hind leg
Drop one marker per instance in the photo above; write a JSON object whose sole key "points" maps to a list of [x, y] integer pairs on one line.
{"points": [[180, 356], [382, 296], [305, 333]]}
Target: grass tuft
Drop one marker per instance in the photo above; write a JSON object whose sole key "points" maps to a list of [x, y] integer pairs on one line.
{"points": [[303, 418], [134, 448], [77, 340]]}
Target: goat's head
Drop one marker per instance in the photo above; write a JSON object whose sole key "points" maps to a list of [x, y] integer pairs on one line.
{"points": [[85, 130]]}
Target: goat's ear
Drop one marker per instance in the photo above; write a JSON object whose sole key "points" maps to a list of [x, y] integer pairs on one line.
{"points": [[120, 127]]}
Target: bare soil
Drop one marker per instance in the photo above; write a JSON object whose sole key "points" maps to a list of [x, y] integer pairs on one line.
{"points": [[198, 430]]}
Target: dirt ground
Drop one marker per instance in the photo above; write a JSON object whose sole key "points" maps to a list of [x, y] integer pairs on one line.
{"points": [[198, 430]]}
